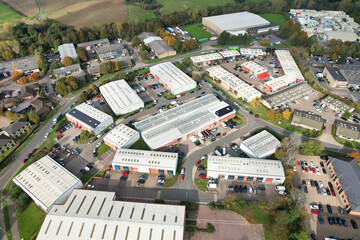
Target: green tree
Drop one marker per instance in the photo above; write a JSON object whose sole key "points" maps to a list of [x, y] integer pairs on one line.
{"points": [[82, 54], [67, 61], [346, 115], [33, 117], [83, 97], [72, 82], [61, 88], [10, 115], [311, 148], [302, 235], [265, 41], [283, 217]]}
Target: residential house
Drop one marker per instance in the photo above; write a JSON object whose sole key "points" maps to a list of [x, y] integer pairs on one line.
{"points": [[42, 106], [16, 129], [29, 91]]}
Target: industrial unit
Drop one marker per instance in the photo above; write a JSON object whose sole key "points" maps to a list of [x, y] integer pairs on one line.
{"points": [[121, 136], [352, 74], [347, 130], [261, 145], [67, 50], [230, 54], [157, 46], [307, 120], [180, 123], [94, 44], [26, 65], [173, 78], [235, 85], [89, 118], [91, 214], [289, 69], [337, 105], [47, 182], [206, 59], [251, 52], [120, 97], [68, 70], [111, 52], [134, 160], [335, 77], [245, 169], [255, 69], [237, 23]]}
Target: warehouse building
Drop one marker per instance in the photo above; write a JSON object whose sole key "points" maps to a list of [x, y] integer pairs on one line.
{"points": [[307, 120], [157, 46], [47, 182], [337, 105], [206, 59], [175, 80], [335, 77], [261, 145], [89, 214], [352, 74], [236, 23], [89, 118], [111, 52], [26, 65], [230, 54], [121, 136], [94, 44], [121, 98], [347, 130], [143, 161], [180, 123], [251, 52], [245, 169], [67, 50], [255, 69], [344, 36], [66, 71], [233, 84]]}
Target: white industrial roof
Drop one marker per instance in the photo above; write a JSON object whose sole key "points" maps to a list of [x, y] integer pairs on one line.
{"points": [[173, 77], [120, 135], [91, 214], [254, 67], [245, 166], [67, 50], [252, 51], [152, 159], [230, 53], [243, 89], [206, 57], [173, 124], [261, 143], [88, 114], [119, 95], [342, 35], [46, 180], [240, 20], [150, 39]]}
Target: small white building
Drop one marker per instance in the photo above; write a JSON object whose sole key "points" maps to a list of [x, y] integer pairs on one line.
{"points": [[121, 98], [245, 169], [230, 54], [89, 118], [121, 136], [89, 214], [260, 145], [134, 160], [67, 50], [252, 52], [206, 59], [47, 182], [173, 78]]}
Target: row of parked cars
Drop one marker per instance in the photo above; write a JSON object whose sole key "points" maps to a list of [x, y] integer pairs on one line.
{"points": [[338, 221], [245, 189]]}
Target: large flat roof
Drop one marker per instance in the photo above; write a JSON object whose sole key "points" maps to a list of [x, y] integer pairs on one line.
{"points": [[351, 72], [159, 47], [95, 42], [347, 129], [245, 166], [120, 135], [67, 69], [24, 64], [119, 95], [306, 119], [46, 180], [336, 74], [236, 21], [337, 104], [261, 143], [252, 51], [254, 67], [91, 214], [229, 53], [206, 57], [67, 50]]}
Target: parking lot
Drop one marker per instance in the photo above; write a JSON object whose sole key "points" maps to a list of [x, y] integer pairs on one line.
{"points": [[313, 197]]}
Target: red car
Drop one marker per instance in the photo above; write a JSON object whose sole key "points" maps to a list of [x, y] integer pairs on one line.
{"points": [[24, 161], [314, 211], [149, 86], [332, 192], [34, 150], [306, 169], [126, 173], [314, 170], [198, 163], [202, 175], [298, 163], [256, 116], [98, 96], [182, 177]]}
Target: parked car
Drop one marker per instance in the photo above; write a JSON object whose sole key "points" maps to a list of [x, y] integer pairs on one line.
{"points": [[321, 219], [329, 208], [126, 173], [90, 186], [236, 188], [330, 219], [202, 175], [200, 168], [124, 178], [354, 224]]}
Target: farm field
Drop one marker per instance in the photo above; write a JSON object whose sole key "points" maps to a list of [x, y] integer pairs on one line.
{"points": [[26, 7], [176, 5], [137, 14], [7, 14], [51, 5], [90, 12], [197, 31], [278, 19]]}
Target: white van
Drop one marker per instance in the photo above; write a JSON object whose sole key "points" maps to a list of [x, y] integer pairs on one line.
{"points": [[224, 125], [280, 188]]}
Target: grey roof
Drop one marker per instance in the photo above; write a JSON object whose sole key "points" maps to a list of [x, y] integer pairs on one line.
{"points": [[261, 27], [14, 127], [145, 35], [94, 68], [338, 104], [351, 72], [67, 50], [84, 118], [41, 106], [104, 41], [25, 64], [159, 47], [110, 48], [336, 74], [237, 21], [4, 140], [29, 90], [348, 130], [307, 120], [66, 69], [348, 173], [288, 94], [124, 62]]}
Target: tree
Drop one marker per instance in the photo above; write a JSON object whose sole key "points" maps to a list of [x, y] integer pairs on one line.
{"points": [[72, 82], [67, 61], [34, 77], [286, 114], [16, 74], [309, 77], [293, 51], [355, 155], [82, 54], [346, 115], [23, 116], [33, 117], [278, 116], [270, 113], [312, 148], [278, 6], [10, 115], [61, 88], [283, 217], [7, 27], [22, 80], [305, 54], [254, 102], [334, 56], [290, 146], [42, 94], [83, 97], [265, 41], [302, 235], [298, 198], [279, 154]]}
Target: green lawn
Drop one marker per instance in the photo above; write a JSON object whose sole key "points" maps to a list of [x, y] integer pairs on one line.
{"points": [[30, 221], [274, 18], [86, 177], [102, 149], [197, 31], [141, 145], [7, 220], [137, 14], [7, 14], [176, 6], [170, 181], [200, 183]]}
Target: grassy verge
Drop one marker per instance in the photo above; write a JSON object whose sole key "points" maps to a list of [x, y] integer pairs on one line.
{"points": [[102, 149], [200, 183], [190, 223], [190, 206], [7, 220], [335, 154], [86, 177], [210, 228], [30, 221], [170, 181], [140, 145], [278, 19], [99, 174], [197, 31]]}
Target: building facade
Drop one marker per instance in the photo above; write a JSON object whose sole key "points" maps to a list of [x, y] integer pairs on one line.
{"points": [[66, 71], [6, 143], [26, 65], [335, 77], [206, 59], [18, 128], [121, 136], [255, 69]]}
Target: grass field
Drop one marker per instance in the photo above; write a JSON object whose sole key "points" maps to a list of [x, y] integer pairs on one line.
{"points": [[30, 221], [274, 18], [141, 145], [137, 14], [201, 184], [176, 5], [7, 14], [102, 149], [197, 31], [26, 7]]}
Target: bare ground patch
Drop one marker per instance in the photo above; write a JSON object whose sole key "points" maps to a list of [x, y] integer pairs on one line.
{"points": [[26, 7]]}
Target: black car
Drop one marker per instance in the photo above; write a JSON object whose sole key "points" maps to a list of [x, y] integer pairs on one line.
{"points": [[218, 134], [341, 211], [324, 157], [241, 189], [306, 189], [316, 183], [323, 170], [321, 208], [89, 165], [329, 208], [160, 185], [313, 237], [200, 168], [312, 183], [261, 187], [161, 177], [236, 188], [354, 224], [94, 154], [322, 164], [328, 192], [344, 222], [203, 93], [321, 219], [245, 189], [335, 220], [318, 190], [140, 181], [331, 221], [124, 178], [339, 221], [83, 171]]}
